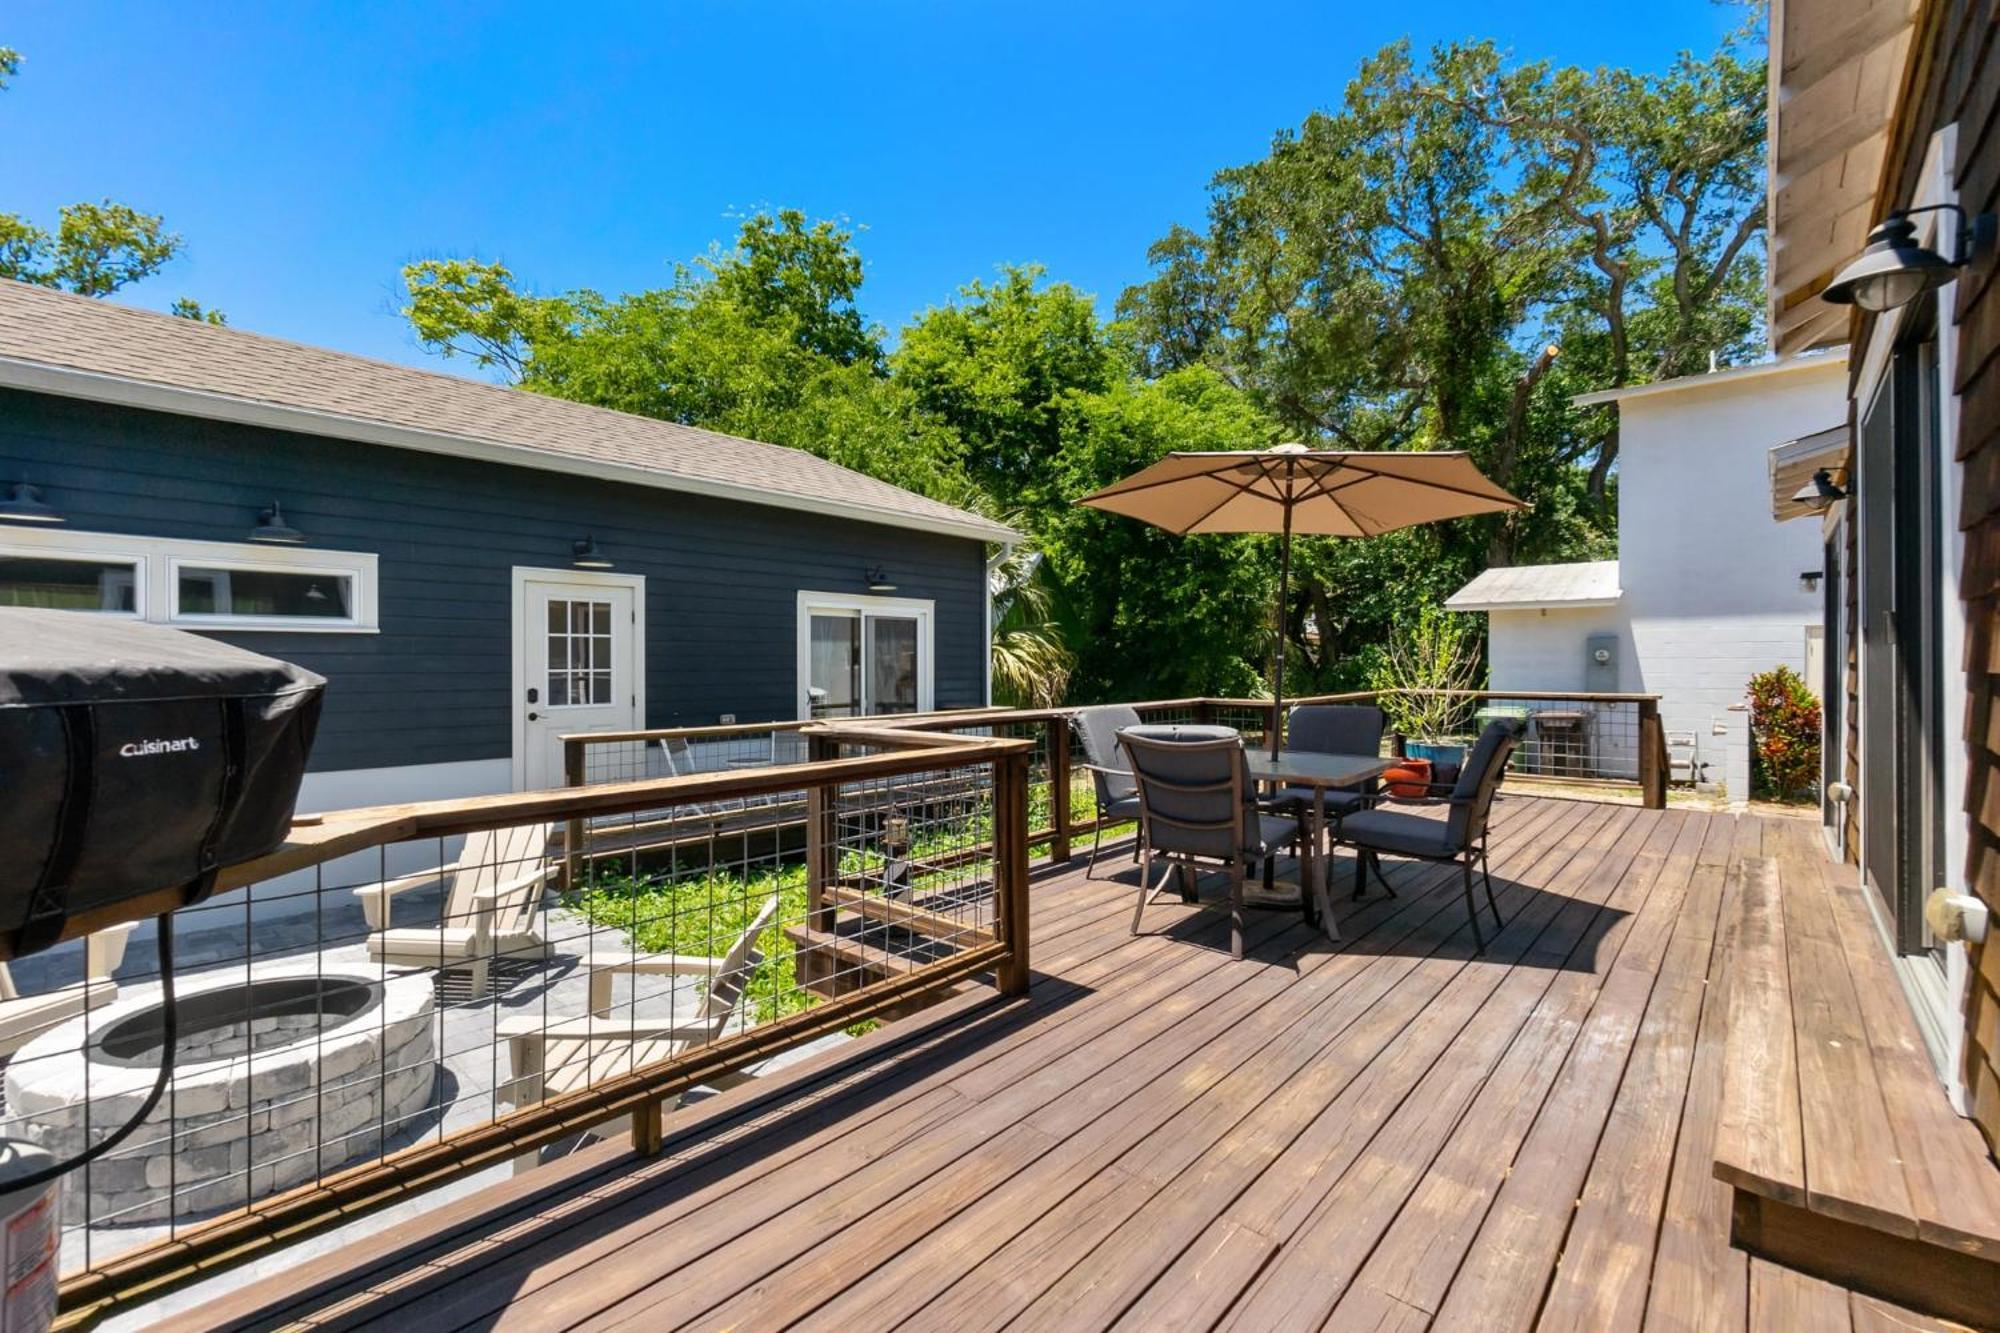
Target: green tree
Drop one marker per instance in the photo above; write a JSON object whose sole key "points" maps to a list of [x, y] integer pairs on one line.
{"points": [[1031, 664], [1660, 181], [95, 249], [998, 367], [1147, 613], [183, 308], [1443, 261], [761, 340]]}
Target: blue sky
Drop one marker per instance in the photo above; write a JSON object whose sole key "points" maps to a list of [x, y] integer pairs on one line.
{"points": [[307, 151]]}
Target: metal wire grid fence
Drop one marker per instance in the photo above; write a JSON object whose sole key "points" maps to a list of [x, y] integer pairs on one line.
{"points": [[1585, 739], [390, 998], [687, 751]]}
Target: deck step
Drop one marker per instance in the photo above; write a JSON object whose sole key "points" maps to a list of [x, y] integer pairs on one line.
{"points": [[1846, 1159]]}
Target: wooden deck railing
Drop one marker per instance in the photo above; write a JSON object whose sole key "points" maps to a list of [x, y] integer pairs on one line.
{"points": [[1605, 739], [962, 799]]}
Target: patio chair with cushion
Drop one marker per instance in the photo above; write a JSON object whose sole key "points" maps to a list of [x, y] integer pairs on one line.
{"points": [[549, 1057], [1197, 806], [1459, 836], [1117, 793], [25, 1017], [492, 906], [1334, 729]]}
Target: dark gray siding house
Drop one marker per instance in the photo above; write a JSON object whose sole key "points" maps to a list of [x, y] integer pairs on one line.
{"points": [[446, 544]]}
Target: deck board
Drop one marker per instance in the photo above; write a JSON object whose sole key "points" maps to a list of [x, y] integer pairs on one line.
{"points": [[1394, 1131]]}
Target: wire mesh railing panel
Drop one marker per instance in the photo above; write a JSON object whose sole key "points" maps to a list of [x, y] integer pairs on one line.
{"points": [[1591, 740], [1034, 730], [682, 753], [419, 990]]}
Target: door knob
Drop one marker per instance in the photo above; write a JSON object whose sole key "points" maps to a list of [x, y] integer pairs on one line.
{"points": [[532, 717]]}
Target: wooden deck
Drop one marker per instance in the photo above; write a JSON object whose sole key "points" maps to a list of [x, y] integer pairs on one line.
{"points": [[1392, 1132]]}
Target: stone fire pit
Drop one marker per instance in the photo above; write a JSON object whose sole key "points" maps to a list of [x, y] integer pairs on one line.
{"points": [[283, 1073]]}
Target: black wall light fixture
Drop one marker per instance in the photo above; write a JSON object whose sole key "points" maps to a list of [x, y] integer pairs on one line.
{"points": [[878, 581], [1820, 492], [271, 527], [1895, 270], [585, 555], [25, 505]]}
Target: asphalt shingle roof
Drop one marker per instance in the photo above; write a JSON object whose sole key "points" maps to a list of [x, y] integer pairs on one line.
{"points": [[341, 395]]}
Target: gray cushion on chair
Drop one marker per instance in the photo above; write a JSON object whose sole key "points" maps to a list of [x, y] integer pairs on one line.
{"points": [[1125, 807], [1276, 831], [1398, 833], [1339, 800], [1097, 729], [1335, 728]]}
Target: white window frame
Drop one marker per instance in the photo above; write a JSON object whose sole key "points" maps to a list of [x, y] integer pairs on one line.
{"points": [[922, 610], [157, 563], [94, 551]]}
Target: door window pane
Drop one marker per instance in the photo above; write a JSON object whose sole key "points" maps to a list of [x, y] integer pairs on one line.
{"points": [[834, 689], [68, 585], [892, 670], [205, 591], [579, 647]]}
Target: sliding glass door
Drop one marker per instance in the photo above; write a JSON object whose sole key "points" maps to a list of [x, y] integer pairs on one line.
{"points": [[862, 662], [1902, 675]]}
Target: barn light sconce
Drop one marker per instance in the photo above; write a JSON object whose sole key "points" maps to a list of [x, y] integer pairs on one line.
{"points": [[25, 505], [585, 555], [1819, 494], [1895, 270], [1809, 579], [272, 528], [878, 581]]}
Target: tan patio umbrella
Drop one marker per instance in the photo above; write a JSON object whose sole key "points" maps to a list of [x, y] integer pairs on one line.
{"points": [[1289, 488]]}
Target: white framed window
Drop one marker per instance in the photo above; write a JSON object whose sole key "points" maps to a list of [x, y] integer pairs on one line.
{"points": [[72, 580], [862, 656], [193, 584]]}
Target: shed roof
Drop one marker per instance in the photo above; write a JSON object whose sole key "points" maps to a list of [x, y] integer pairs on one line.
{"points": [[53, 342], [1525, 587]]}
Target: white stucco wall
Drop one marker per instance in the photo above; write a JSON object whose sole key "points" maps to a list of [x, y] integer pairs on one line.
{"points": [[1710, 587]]}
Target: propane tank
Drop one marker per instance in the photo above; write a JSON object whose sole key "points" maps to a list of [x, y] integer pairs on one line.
{"points": [[30, 1238]]}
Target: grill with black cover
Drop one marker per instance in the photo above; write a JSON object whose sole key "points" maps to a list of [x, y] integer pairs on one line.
{"points": [[135, 759]]}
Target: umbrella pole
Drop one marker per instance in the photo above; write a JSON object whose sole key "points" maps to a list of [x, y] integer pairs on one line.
{"points": [[1284, 596]]}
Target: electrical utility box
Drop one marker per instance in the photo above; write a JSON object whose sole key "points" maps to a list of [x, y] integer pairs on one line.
{"points": [[1600, 664]]}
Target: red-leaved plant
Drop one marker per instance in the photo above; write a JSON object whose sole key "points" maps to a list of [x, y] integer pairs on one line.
{"points": [[1784, 735]]}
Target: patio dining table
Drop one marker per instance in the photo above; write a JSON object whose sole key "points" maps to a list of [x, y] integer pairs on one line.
{"points": [[1320, 772]]}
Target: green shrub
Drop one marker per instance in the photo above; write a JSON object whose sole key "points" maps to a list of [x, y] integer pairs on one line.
{"points": [[1784, 736], [1430, 660]]}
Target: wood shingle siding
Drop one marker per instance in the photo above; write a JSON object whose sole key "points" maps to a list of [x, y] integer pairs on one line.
{"points": [[434, 686], [1968, 95]]}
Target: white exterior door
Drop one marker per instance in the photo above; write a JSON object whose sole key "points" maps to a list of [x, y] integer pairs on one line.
{"points": [[579, 655]]}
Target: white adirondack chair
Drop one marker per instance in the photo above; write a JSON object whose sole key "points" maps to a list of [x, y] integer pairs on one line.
{"points": [[25, 1017], [492, 907], [549, 1057]]}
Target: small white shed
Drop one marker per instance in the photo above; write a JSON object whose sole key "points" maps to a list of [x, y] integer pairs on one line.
{"points": [[1707, 590]]}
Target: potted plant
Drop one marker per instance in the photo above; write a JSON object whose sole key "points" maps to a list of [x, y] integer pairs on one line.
{"points": [[1424, 678]]}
